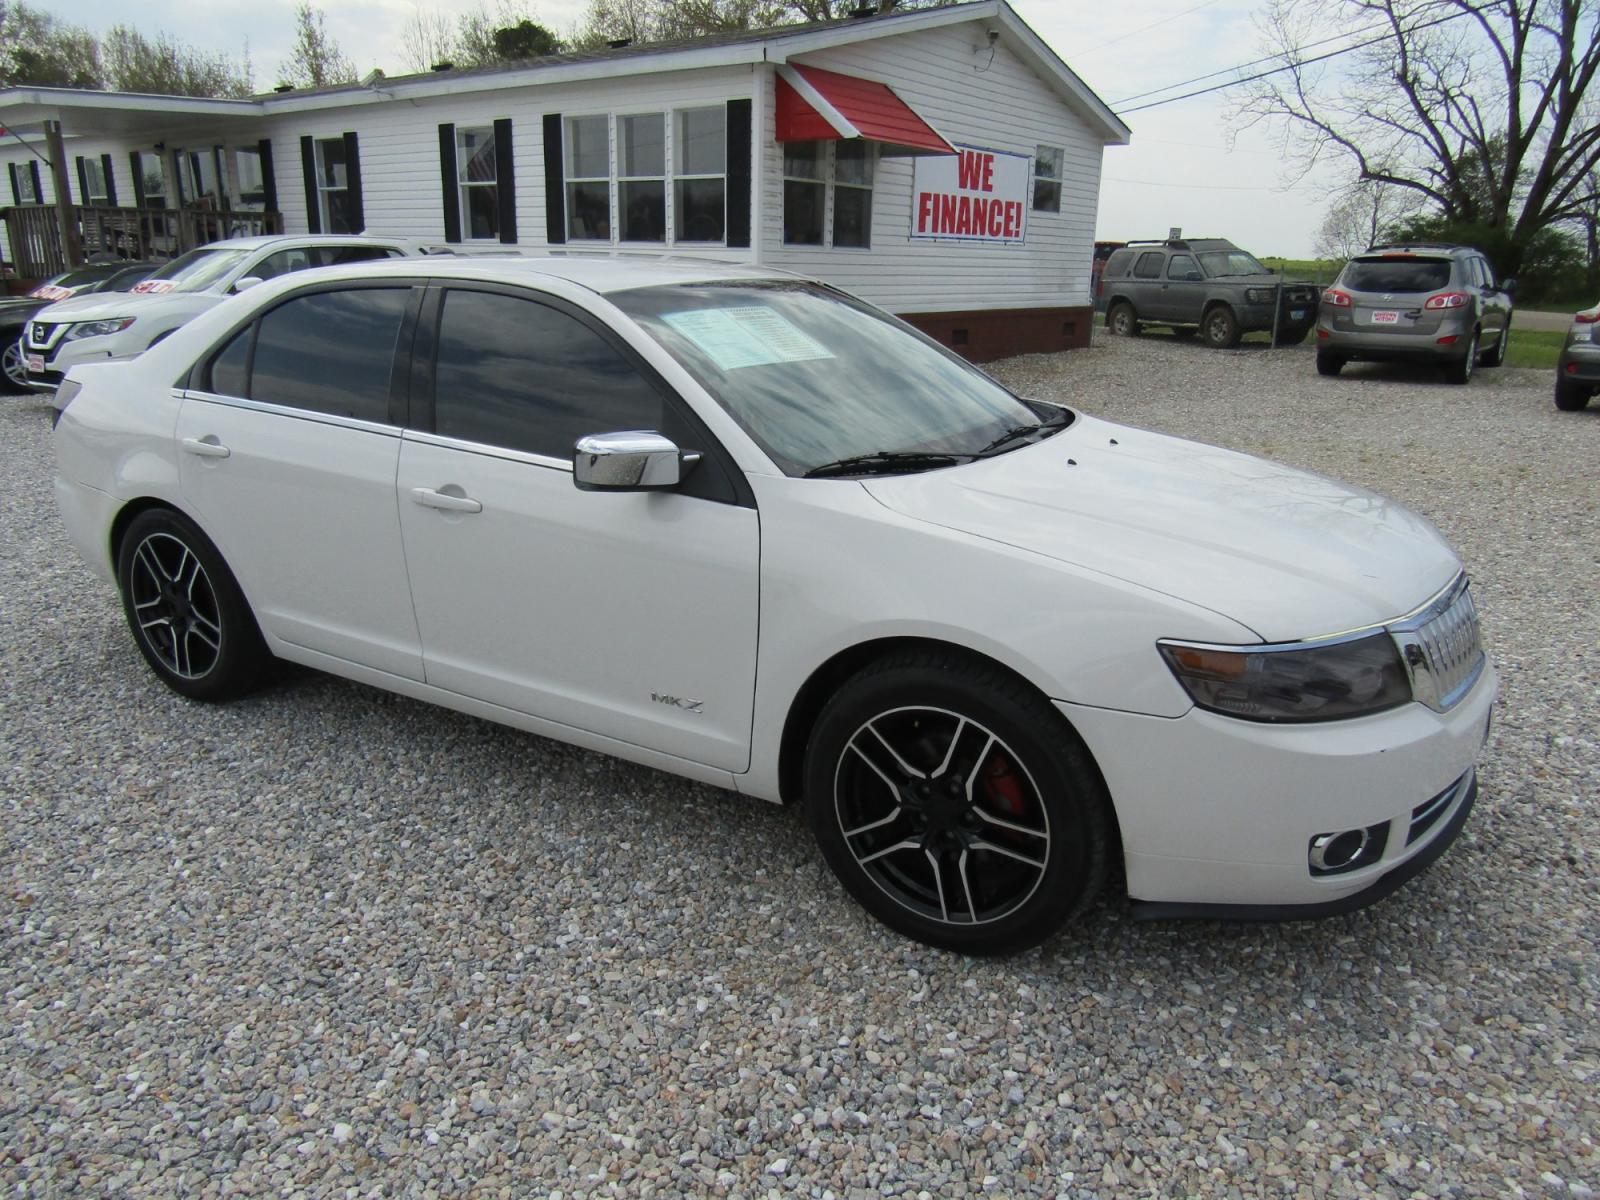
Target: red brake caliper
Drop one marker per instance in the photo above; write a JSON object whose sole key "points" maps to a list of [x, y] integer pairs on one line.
{"points": [[1002, 787]]}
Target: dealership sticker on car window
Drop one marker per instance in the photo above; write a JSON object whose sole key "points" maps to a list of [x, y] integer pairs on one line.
{"points": [[153, 286], [51, 291], [751, 335]]}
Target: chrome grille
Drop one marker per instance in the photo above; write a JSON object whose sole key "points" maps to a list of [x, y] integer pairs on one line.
{"points": [[42, 336], [1442, 648]]}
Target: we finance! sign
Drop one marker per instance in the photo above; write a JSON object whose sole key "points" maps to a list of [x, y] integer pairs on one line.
{"points": [[974, 195]]}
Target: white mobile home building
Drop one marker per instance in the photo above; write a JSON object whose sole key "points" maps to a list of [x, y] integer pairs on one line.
{"points": [[942, 163]]}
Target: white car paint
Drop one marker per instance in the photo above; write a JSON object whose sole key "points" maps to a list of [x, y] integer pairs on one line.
{"points": [[156, 314], [1065, 561]]}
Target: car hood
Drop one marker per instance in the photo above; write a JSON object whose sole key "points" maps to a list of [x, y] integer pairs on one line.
{"points": [[104, 306], [16, 304], [1287, 553]]}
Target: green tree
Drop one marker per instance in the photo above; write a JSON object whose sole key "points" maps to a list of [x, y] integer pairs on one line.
{"points": [[669, 20], [315, 60], [161, 65], [40, 49], [525, 40]]}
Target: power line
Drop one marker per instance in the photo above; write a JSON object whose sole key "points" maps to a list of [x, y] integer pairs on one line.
{"points": [[1305, 62], [1214, 187], [1122, 37]]}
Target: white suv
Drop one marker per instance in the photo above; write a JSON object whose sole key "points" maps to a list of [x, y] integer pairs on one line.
{"points": [[739, 526], [94, 328]]}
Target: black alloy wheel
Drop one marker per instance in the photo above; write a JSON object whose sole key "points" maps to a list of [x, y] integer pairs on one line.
{"points": [[185, 610], [955, 804]]}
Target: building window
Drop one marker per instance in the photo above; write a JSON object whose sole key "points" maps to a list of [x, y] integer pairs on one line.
{"points": [[478, 175], [642, 177], [588, 172], [1047, 178], [700, 175], [333, 186], [22, 179], [252, 181], [93, 173], [152, 179], [827, 193], [201, 182]]}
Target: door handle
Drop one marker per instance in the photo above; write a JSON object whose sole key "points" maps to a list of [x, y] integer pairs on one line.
{"points": [[429, 498], [206, 448]]}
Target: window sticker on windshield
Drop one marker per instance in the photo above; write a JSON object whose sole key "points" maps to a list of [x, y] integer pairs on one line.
{"points": [[752, 335], [154, 286]]}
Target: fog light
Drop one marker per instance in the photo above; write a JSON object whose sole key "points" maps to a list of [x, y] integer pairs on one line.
{"points": [[1347, 849]]}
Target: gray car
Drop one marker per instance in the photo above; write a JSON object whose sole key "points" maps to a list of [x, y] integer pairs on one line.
{"points": [[1578, 368], [1436, 304], [1203, 285]]}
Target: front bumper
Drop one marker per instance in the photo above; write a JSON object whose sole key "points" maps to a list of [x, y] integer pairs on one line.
{"points": [[1217, 811]]}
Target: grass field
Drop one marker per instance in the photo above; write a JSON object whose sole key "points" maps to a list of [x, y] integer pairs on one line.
{"points": [[1534, 348]]}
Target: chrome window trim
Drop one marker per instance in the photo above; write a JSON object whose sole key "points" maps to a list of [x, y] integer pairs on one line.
{"points": [[298, 414], [1404, 630], [489, 450]]}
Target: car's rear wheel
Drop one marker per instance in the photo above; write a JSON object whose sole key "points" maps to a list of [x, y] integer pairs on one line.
{"points": [[14, 368], [1497, 356], [955, 804], [1329, 364], [1460, 371], [1121, 319], [185, 609], [1221, 328], [1572, 397]]}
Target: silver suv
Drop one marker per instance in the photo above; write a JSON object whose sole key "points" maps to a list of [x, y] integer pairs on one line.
{"points": [[1416, 303]]}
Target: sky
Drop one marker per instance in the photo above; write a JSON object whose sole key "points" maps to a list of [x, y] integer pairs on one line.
{"points": [[1182, 169]]}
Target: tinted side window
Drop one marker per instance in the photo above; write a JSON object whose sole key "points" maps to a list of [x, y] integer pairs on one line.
{"points": [[330, 352], [229, 369], [1487, 272], [1183, 266], [1149, 265], [1117, 264], [281, 262], [519, 374], [333, 256]]}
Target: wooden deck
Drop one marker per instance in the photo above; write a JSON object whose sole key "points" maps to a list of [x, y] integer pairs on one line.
{"points": [[132, 233]]}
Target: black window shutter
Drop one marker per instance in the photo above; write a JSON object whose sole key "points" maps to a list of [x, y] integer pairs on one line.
{"points": [[449, 192], [738, 172], [83, 182], [16, 192], [38, 184], [352, 159], [308, 164], [111, 180], [555, 205], [136, 169], [269, 176], [505, 181]]}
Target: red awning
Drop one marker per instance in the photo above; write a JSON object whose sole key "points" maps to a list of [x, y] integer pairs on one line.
{"points": [[818, 105]]}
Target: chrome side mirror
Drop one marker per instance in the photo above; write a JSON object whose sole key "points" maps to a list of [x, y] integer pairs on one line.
{"points": [[638, 461], [246, 282]]}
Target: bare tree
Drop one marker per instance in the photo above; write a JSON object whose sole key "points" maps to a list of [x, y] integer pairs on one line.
{"points": [[1476, 106], [162, 65], [315, 60], [665, 20], [1359, 217], [428, 37]]}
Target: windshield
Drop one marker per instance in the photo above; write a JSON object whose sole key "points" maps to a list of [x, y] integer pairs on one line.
{"points": [[63, 285], [1230, 262], [194, 271], [1397, 274], [816, 377]]}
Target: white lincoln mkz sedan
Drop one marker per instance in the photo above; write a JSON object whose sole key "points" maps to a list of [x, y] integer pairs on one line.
{"points": [[741, 527]]}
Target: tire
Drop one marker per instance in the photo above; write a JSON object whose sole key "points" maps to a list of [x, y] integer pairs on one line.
{"points": [[1220, 328], [1184, 332], [1122, 320], [1497, 356], [1572, 397], [13, 373], [185, 610], [1329, 364], [1460, 371], [997, 831]]}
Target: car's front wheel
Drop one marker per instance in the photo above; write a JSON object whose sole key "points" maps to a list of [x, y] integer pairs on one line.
{"points": [[1572, 397], [1460, 371], [1121, 320], [955, 804], [14, 368], [1221, 328], [185, 609], [1497, 356]]}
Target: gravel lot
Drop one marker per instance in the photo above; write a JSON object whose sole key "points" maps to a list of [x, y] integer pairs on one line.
{"points": [[330, 942]]}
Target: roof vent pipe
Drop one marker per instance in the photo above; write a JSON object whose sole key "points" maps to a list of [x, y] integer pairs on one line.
{"points": [[444, 66], [284, 87], [619, 43]]}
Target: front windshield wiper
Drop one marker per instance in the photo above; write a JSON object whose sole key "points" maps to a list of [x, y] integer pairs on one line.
{"points": [[887, 462], [1055, 421]]}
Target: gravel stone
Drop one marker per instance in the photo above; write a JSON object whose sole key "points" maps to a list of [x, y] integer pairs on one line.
{"points": [[330, 942]]}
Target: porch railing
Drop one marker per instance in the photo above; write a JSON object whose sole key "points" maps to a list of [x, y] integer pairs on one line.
{"points": [[34, 233]]}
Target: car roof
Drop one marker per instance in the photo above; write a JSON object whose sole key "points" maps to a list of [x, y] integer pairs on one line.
{"points": [[258, 241], [597, 271]]}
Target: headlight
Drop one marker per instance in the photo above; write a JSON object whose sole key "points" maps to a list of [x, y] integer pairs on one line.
{"points": [[98, 328], [1282, 683], [1260, 295]]}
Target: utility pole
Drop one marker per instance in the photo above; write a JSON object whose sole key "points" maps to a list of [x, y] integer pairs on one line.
{"points": [[66, 220]]}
